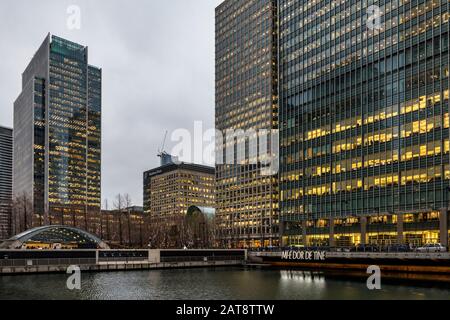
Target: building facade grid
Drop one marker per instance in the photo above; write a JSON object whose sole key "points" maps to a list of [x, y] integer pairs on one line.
{"points": [[246, 99]]}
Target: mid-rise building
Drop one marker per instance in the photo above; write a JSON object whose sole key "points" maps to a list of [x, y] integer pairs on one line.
{"points": [[364, 121], [6, 169], [57, 134], [246, 100], [170, 190]]}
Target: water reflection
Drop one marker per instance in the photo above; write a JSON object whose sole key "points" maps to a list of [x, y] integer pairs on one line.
{"points": [[209, 284], [303, 276]]}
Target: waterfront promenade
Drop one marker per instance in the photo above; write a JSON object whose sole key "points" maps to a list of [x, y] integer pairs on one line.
{"points": [[406, 262], [102, 260], [57, 261]]}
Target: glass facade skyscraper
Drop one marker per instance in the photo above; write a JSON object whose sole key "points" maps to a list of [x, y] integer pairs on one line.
{"points": [[6, 167], [364, 121], [57, 121], [246, 99]]}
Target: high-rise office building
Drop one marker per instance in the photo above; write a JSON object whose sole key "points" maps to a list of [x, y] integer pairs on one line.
{"points": [[364, 120], [57, 134], [246, 99], [6, 167]]}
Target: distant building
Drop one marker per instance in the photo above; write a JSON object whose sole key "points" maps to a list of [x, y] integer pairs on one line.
{"points": [[6, 167], [171, 189], [135, 209], [57, 134]]}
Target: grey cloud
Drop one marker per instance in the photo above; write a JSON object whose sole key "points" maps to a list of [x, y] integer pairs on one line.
{"points": [[158, 71]]}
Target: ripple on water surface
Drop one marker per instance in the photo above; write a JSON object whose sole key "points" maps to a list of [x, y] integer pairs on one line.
{"points": [[208, 284]]}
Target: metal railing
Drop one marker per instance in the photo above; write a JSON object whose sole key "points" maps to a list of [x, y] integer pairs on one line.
{"points": [[123, 259], [361, 248], [46, 262], [202, 259]]}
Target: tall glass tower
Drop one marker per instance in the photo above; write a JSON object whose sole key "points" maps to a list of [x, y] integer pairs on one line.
{"points": [[364, 121], [57, 150]]}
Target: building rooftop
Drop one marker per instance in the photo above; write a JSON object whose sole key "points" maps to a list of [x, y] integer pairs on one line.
{"points": [[179, 166], [5, 130]]}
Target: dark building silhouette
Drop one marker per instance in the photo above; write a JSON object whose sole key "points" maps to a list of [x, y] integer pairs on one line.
{"points": [[6, 167]]}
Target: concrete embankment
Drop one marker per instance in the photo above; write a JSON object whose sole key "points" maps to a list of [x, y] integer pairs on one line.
{"points": [[430, 263], [118, 267], [58, 261]]}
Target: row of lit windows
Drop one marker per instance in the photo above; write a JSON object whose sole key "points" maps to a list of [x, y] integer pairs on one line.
{"points": [[332, 35], [337, 34], [406, 177], [383, 114], [370, 49], [381, 136], [345, 30], [336, 92]]}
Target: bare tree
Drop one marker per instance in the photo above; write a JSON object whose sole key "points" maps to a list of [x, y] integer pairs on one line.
{"points": [[101, 219], [200, 230], [128, 203], [119, 206], [107, 220], [74, 216], [22, 212], [213, 232], [161, 233]]}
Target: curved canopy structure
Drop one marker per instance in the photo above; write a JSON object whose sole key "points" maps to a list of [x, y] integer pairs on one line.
{"points": [[208, 212], [54, 237]]}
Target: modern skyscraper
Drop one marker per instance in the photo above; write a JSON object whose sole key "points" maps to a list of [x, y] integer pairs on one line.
{"points": [[246, 99], [57, 134], [6, 167], [364, 120]]}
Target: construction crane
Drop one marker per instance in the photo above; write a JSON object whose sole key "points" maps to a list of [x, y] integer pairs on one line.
{"points": [[161, 150], [165, 157]]}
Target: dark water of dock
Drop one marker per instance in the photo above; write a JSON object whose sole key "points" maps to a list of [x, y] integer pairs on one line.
{"points": [[210, 284]]}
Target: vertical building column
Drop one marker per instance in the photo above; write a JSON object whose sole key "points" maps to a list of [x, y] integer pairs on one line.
{"points": [[281, 229], [443, 223], [400, 228], [304, 232], [363, 223], [332, 242]]}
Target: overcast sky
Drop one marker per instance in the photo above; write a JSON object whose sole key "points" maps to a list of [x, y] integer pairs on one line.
{"points": [[158, 71]]}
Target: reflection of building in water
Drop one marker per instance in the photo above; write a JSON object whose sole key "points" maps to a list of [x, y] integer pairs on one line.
{"points": [[303, 276]]}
